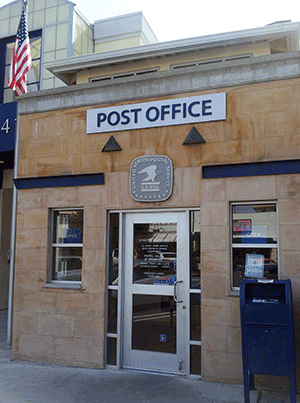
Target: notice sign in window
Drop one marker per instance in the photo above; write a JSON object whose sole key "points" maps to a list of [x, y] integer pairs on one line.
{"points": [[254, 266], [72, 235]]}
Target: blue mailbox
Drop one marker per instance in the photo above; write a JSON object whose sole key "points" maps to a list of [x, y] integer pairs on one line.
{"points": [[267, 331]]}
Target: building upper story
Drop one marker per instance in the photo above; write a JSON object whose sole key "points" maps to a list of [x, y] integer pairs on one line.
{"points": [[67, 49], [58, 31], [200, 52]]}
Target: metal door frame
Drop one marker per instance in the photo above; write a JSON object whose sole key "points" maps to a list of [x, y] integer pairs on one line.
{"points": [[121, 288]]}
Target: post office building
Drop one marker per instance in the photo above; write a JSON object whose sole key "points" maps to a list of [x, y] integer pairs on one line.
{"points": [[147, 187]]}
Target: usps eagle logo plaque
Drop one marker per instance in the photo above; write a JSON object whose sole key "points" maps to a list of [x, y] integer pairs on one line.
{"points": [[151, 178]]}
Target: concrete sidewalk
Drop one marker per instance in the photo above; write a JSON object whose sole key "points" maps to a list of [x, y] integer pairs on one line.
{"points": [[22, 382], [30, 382]]}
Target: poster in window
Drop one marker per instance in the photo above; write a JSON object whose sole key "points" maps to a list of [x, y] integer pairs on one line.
{"points": [[71, 235], [242, 227], [254, 266]]}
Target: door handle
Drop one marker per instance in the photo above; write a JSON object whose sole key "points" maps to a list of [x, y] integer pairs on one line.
{"points": [[175, 292]]}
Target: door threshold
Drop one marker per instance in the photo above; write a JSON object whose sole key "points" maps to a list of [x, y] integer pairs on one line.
{"points": [[190, 376], [148, 371]]}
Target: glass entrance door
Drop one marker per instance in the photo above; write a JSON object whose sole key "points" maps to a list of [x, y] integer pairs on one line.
{"points": [[156, 292]]}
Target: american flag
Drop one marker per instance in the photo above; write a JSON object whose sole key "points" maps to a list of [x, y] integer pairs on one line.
{"points": [[21, 58]]}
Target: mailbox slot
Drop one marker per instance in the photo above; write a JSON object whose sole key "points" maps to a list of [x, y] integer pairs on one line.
{"points": [[265, 293]]}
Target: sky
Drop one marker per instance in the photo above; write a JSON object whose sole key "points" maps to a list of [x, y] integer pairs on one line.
{"points": [[179, 19], [171, 20]]}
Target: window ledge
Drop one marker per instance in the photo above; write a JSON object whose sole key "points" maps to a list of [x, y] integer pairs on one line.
{"points": [[73, 286]]}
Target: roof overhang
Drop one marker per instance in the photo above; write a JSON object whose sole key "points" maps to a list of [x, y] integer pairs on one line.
{"points": [[66, 68]]}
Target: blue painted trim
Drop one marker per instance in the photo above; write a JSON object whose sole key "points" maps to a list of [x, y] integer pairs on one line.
{"points": [[251, 169], [59, 181], [7, 140]]}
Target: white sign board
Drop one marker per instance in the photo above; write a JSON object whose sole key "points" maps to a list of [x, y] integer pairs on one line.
{"points": [[169, 112], [254, 266]]}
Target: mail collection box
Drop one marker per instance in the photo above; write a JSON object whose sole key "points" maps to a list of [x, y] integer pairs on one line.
{"points": [[267, 331]]}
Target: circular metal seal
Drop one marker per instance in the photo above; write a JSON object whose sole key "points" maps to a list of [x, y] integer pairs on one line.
{"points": [[151, 178]]}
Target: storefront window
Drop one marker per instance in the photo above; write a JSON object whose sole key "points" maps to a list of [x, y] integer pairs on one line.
{"points": [[67, 241], [254, 242]]}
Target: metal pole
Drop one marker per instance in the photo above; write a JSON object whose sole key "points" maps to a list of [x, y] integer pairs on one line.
{"points": [[25, 5], [13, 240], [13, 226]]}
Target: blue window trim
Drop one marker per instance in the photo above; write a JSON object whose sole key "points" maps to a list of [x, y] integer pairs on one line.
{"points": [[3, 43], [59, 181], [251, 169]]}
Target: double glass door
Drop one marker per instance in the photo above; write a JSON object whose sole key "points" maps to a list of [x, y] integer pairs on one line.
{"points": [[156, 292]]}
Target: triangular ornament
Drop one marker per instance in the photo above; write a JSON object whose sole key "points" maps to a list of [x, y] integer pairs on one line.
{"points": [[194, 137], [111, 145]]}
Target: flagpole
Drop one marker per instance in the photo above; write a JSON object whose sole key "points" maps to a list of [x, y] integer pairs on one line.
{"points": [[13, 227], [25, 5]]}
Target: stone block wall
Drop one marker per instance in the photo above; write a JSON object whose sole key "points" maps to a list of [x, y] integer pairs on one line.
{"points": [[68, 326], [221, 335], [262, 124], [62, 326]]}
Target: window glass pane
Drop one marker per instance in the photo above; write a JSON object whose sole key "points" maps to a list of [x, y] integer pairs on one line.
{"points": [[49, 38], [254, 224], [195, 273], [195, 357], [68, 227], [35, 50], [113, 264], [51, 16], [239, 260], [34, 73], [35, 47], [7, 68], [9, 52], [62, 36], [111, 351], [112, 311], [67, 264], [154, 254], [8, 96], [33, 76], [195, 313], [154, 323], [32, 88]]}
